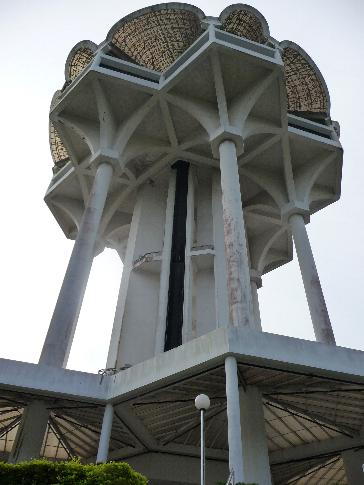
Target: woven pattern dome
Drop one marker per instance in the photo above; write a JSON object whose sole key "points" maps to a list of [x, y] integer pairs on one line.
{"points": [[80, 60], [245, 24], [58, 150], [305, 91], [157, 38]]}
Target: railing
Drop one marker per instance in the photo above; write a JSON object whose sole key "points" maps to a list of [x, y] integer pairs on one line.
{"points": [[309, 126], [125, 67]]}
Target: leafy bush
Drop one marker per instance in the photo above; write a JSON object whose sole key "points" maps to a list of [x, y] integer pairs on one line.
{"points": [[43, 472]]}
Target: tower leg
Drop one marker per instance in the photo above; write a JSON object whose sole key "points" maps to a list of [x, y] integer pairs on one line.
{"points": [[353, 464], [233, 415], [61, 330], [237, 262], [104, 441], [248, 450], [311, 281], [257, 320], [221, 294], [255, 449], [31, 432]]}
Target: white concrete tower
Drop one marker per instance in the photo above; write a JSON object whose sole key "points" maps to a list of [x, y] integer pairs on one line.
{"points": [[197, 148]]}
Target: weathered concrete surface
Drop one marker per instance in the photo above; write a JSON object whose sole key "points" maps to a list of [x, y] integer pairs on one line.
{"points": [[253, 437], [193, 356], [296, 354], [202, 353], [103, 450], [236, 252], [30, 434], [256, 309], [236, 457], [311, 281], [353, 464], [61, 330], [45, 380]]}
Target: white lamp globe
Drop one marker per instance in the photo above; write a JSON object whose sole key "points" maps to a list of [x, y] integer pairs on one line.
{"points": [[202, 402]]}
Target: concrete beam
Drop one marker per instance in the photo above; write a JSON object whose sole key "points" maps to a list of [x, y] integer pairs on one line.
{"points": [[46, 380], [192, 357], [30, 434], [170, 449], [288, 353], [315, 449], [201, 354], [136, 428]]}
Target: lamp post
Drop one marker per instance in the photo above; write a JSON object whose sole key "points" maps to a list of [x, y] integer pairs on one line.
{"points": [[202, 403]]}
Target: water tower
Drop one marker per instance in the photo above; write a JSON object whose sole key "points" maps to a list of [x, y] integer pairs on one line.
{"points": [[198, 148]]}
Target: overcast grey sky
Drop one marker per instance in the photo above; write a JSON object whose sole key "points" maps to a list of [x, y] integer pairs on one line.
{"points": [[36, 37]]}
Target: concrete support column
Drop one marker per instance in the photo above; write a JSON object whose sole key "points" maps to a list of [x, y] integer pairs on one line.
{"points": [[31, 432], [254, 441], [353, 464], [61, 330], [165, 266], [221, 294], [315, 298], [236, 253], [233, 415], [104, 442], [136, 315], [256, 282]]}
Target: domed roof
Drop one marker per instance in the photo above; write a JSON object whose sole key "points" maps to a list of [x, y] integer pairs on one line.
{"points": [[245, 21], [79, 58], [58, 150], [156, 36], [306, 87]]}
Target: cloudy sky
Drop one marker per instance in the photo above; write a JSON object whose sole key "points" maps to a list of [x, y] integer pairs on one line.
{"points": [[36, 37]]}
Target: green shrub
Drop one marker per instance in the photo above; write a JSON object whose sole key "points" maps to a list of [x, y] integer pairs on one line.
{"points": [[43, 472]]}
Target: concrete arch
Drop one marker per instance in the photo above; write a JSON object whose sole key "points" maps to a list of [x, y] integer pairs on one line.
{"points": [[266, 246], [307, 177], [86, 130], [269, 185], [72, 210]]}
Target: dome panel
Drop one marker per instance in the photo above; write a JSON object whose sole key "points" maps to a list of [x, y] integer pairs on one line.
{"points": [[306, 88], [58, 150], [155, 39], [245, 21], [79, 58]]}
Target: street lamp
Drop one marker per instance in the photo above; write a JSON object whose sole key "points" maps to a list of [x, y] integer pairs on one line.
{"points": [[202, 403]]}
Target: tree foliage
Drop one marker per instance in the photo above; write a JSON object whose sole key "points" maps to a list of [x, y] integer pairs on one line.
{"points": [[43, 472]]}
